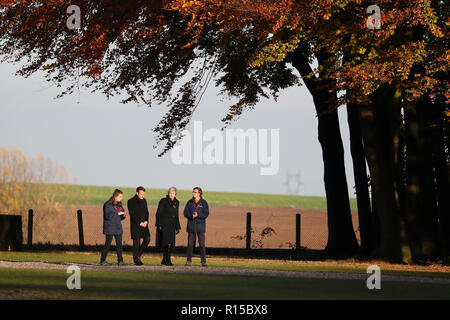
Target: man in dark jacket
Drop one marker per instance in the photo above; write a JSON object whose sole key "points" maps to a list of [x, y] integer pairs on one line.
{"points": [[138, 210], [196, 211]]}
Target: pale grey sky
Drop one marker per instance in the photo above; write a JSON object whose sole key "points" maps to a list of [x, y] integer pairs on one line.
{"points": [[103, 142]]}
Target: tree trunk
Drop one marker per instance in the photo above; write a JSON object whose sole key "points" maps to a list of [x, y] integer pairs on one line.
{"points": [[375, 219], [439, 142], [341, 236], [361, 182], [381, 146], [420, 213]]}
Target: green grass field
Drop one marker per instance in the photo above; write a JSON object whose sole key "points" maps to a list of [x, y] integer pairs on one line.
{"points": [[97, 195], [51, 284]]}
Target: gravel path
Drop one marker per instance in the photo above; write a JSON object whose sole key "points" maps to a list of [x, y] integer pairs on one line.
{"points": [[216, 271]]}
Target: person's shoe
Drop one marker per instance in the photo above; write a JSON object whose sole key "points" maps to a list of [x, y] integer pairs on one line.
{"points": [[168, 259], [188, 264], [121, 263], [105, 263], [139, 263], [204, 264], [164, 261]]}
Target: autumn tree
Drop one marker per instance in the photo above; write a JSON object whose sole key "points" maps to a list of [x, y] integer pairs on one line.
{"points": [[385, 76], [36, 183], [395, 77]]}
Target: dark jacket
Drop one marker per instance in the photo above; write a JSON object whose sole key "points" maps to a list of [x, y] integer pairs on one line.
{"points": [[167, 219], [112, 221], [198, 224], [138, 211]]}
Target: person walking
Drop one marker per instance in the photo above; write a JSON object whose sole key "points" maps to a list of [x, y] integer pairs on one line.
{"points": [[168, 224], [196, 211], [113, 214], [138, 209]]}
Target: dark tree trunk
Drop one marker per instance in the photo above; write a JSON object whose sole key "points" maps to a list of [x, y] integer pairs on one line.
{"points": [[381, 145], [421, 210], [341, 236], [375, 219], [441, 164], [361, 182], [429, 181]]}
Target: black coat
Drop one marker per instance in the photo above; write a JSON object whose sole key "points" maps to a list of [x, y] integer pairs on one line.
{"points": [[167, 219], [196, 224], [138, 213], [112, 221]]}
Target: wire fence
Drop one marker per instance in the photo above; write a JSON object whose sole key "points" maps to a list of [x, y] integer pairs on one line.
{"points": [[268, 228]]}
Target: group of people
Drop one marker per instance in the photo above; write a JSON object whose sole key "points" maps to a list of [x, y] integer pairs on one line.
{"points": [[167, 224]]}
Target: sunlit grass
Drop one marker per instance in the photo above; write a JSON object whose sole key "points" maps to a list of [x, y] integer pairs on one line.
{"points": [[346, 266]]}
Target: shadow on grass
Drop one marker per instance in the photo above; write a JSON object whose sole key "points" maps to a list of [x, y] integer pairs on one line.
{"points": [[123, 285]]}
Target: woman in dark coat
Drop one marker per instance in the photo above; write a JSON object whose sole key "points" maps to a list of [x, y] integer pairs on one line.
{"points": [[113, 214], [168, 223]]}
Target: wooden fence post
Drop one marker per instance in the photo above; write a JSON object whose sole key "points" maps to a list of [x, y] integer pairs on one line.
{"points": [[80, 228], [30, 228], [297, 231], [249, 231]]}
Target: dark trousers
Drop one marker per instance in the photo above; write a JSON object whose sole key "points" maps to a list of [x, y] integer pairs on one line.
{"points": [[191, 244], [138, 248], [107, 246]]}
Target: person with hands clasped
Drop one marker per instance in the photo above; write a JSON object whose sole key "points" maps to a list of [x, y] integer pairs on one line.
{"points": [[168, 223], [196, 211], [113, 214], [138, 209]]}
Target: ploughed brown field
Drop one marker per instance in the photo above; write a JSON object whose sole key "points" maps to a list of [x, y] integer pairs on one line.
{"points": [[225, 227]]}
